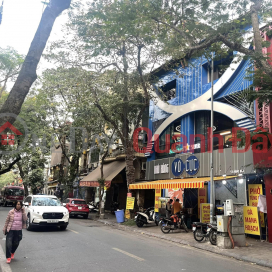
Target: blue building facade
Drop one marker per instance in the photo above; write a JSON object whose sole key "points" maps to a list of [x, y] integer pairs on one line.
{"points": [[182, 104]]}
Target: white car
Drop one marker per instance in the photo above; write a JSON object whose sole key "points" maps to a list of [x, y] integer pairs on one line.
{"points": [[45, 210]]}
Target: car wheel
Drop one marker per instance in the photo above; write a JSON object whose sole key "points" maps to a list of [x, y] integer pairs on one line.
{"points": [[63, 227], [5, 204], [28, 224], [86, 216]]}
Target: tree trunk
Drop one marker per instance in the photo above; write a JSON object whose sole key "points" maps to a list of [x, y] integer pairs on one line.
{"points": [[101, 187], [22, 174], [28, 75], [130, 170]]}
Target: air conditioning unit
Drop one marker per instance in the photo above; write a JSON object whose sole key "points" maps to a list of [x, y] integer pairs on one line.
{"points": [[143, 165]]}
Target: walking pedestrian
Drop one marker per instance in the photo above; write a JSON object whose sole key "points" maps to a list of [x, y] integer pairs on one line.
{"points": [[168, 208], [15, 222]]}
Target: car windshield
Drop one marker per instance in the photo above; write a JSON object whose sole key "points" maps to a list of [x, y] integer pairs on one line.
{"points": [[15, 192], [45, 201], [78, 202]]}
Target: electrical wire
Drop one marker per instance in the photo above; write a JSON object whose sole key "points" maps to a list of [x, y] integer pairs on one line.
{"points": [[232, 241]]}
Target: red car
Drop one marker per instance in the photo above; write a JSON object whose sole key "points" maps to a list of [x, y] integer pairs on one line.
{"points": [[76, 207]]}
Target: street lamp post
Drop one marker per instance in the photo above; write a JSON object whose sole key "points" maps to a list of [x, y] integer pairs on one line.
{"points": [[212, 191]]}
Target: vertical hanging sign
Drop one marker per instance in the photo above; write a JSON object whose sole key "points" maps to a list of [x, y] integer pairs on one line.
{"points": [[157, 199], [254, 190], [202, 197], [251, 220], [205, 212]]}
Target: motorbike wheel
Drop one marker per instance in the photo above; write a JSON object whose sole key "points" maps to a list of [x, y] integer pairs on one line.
{"points": [[139, 224], [163, 229], [198, 238], [213, 237]]}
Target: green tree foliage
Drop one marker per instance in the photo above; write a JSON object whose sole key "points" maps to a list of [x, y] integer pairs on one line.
{"points": [[117, 51], [32, 166], [10, 64], [6, 179]]}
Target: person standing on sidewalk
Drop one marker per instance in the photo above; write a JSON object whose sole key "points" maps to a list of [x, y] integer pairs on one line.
{"points": [[15, 222], [168, 208]]}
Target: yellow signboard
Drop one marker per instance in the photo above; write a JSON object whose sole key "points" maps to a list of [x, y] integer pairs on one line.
{"points": [[130, 203], [254, 190], [205, 212], [127, 214], [251, 220], [157, 200], [202, 197]]}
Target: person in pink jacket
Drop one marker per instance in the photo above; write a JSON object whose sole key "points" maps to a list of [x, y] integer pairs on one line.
{"points": [[15, 222]]}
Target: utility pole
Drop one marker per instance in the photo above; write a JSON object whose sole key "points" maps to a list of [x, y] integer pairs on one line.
{"points": [[212, 191]]}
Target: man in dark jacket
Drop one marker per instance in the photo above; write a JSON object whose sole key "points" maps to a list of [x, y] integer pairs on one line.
{"points": [[168, 208]]}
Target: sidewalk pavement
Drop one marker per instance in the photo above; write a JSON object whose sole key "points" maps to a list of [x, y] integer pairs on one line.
{"points": [[256, 252]]}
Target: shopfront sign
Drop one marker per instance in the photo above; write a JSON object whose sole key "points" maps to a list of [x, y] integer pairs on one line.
{"points": [[157, 200], [254, 190], [205, 213], [251, 220], [161, 169], [130, 203], [198, 165], [192, 165], [177, 167]]}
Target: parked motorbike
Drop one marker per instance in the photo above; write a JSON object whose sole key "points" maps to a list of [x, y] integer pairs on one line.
{"points": [[147, 217], [93, 207], [114, 207], [174, 222], [200, 231], [212, 229]]}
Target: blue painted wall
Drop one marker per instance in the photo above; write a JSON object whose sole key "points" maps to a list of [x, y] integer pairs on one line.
{"points": [[191, 82]]}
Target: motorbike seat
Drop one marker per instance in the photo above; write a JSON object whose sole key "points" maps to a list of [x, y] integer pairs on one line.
{"points": [[200, 224]]}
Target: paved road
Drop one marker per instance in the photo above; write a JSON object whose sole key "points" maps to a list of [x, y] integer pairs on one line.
{"points": [[90, 246]]}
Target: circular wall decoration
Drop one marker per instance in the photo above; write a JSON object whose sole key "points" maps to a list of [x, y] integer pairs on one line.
{"points": [[177, 167], [192, 165]]}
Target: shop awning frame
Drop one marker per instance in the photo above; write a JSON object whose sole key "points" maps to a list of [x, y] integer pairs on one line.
{"points": [[176, 183], [110, 171]]}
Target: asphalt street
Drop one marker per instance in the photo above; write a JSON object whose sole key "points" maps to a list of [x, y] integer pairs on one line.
{"points": [[87, 245]]}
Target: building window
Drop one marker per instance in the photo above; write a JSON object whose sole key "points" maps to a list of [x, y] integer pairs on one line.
{"points": [[222, 124], [168, 91], [220, 67]]}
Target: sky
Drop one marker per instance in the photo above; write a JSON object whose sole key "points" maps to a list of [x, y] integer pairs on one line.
{"points": [[20, 22]]}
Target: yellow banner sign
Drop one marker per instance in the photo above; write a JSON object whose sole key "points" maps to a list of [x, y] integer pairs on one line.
{"points": [[254, 190], [202, 197], [130, 203], [251, 220], [127, 214], [157, 200], [205, 212]]}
